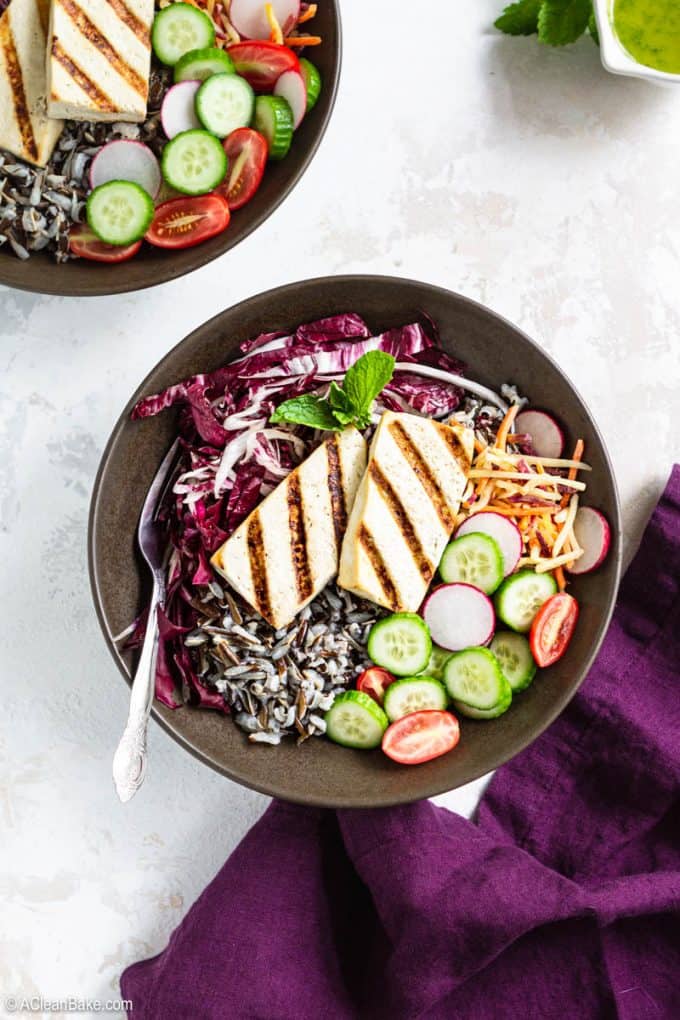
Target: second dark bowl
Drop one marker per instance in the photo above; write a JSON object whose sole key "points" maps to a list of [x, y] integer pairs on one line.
{"points": [[80, 278]]}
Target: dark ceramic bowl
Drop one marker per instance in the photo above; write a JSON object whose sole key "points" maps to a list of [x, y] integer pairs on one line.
{"points": [[319, 772], [153, 265]]}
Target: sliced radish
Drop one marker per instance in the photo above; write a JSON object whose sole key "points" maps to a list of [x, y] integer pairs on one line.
{"points": [[249, 17], [547, 437], [291, 86], [502, 530], [459, 616], [126, 160], [593, 535], [178, 110]]}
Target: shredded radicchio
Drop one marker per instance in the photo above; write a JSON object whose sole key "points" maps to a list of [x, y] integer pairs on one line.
{"points": [[232, 456]]}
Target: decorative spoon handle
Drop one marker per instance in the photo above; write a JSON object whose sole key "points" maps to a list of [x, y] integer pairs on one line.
{"points": [[129, 761]]}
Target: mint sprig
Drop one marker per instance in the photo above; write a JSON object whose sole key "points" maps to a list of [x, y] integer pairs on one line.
{"points": [[556, 22], [349, 404]]}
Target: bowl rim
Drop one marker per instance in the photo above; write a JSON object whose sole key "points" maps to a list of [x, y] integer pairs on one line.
{"points": [[194, 261], [349, 280]]}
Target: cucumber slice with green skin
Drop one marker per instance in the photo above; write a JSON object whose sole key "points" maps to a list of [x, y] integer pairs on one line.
{"points": [[119, 212], [274, 119], [515, 659], [414, 694], [356, 720], [476, 684], [438, 659], [474, 559], [197, 65], [224, 103], [521, 596], [400, 643], [312, 80], [179, 29], [194, 162]]}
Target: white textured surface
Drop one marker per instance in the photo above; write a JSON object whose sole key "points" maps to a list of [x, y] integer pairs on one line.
{"points": [[523, 177]]}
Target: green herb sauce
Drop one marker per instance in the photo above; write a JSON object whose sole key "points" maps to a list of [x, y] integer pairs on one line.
{"points": [[650, 31]]}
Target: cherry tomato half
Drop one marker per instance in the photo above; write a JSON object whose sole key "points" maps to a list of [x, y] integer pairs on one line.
{"points": [[184, 222], [262, 63], [86, 245], [247, 152], [552, 628], [421, 736], [375, 681]]}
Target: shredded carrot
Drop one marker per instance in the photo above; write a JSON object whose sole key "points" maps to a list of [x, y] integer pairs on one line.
{"points": [[479, 446], [303, 40], [275, 33], [576, 456], [504, 428], [560, 578], [308, 14]]}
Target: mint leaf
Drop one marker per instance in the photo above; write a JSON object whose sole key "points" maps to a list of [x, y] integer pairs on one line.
{"points": [[365, 379], [307, 409], [562, 21], [593, 29], [520, 18]]}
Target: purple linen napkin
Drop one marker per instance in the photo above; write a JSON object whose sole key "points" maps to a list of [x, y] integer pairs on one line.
{"points": [[563, 901]]}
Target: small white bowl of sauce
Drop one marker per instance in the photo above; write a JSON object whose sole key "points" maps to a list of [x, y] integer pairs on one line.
{"points": [[640, 38]]}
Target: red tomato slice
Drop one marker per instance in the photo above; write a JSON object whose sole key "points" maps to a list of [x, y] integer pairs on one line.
{"points": [[552, 628], [421, 736], [375, 681], [247, 153], [86, 245], [262, 63], [184, 222]]}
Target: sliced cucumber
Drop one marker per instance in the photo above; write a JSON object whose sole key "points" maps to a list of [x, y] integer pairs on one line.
{"points": [[312, 80], [474, 559], [224, 103], [521, 596], [274, 120], [476, 684], [438, 659], [400, 643], [197, 65], [515, 659], [414, 694], [119, 212], [194, 162], [356, 720], [179, 29]]}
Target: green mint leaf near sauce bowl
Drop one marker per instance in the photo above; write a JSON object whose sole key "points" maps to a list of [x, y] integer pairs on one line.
{"points": [[640, 38]]}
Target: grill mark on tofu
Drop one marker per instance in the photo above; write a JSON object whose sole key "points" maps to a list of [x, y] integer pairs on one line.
{"points": [[22, 113], [298, 538], [258, 571], [403, 521], [456, 447], [90, 32], [423, 473], [130, 19], [367, 542], [336, 489], [98, 97]]}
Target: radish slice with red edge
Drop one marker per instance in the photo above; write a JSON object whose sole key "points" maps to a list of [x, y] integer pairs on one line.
{"points": [[249, 17], [547, 438], [459, 616], [502, 530], [291, 86], [178, 109], [126, 160], [593, 535]]}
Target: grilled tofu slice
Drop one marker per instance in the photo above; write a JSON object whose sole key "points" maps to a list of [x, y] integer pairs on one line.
{"points": [[25, 129], [99, 55], [288, 549], [405, 509]]}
